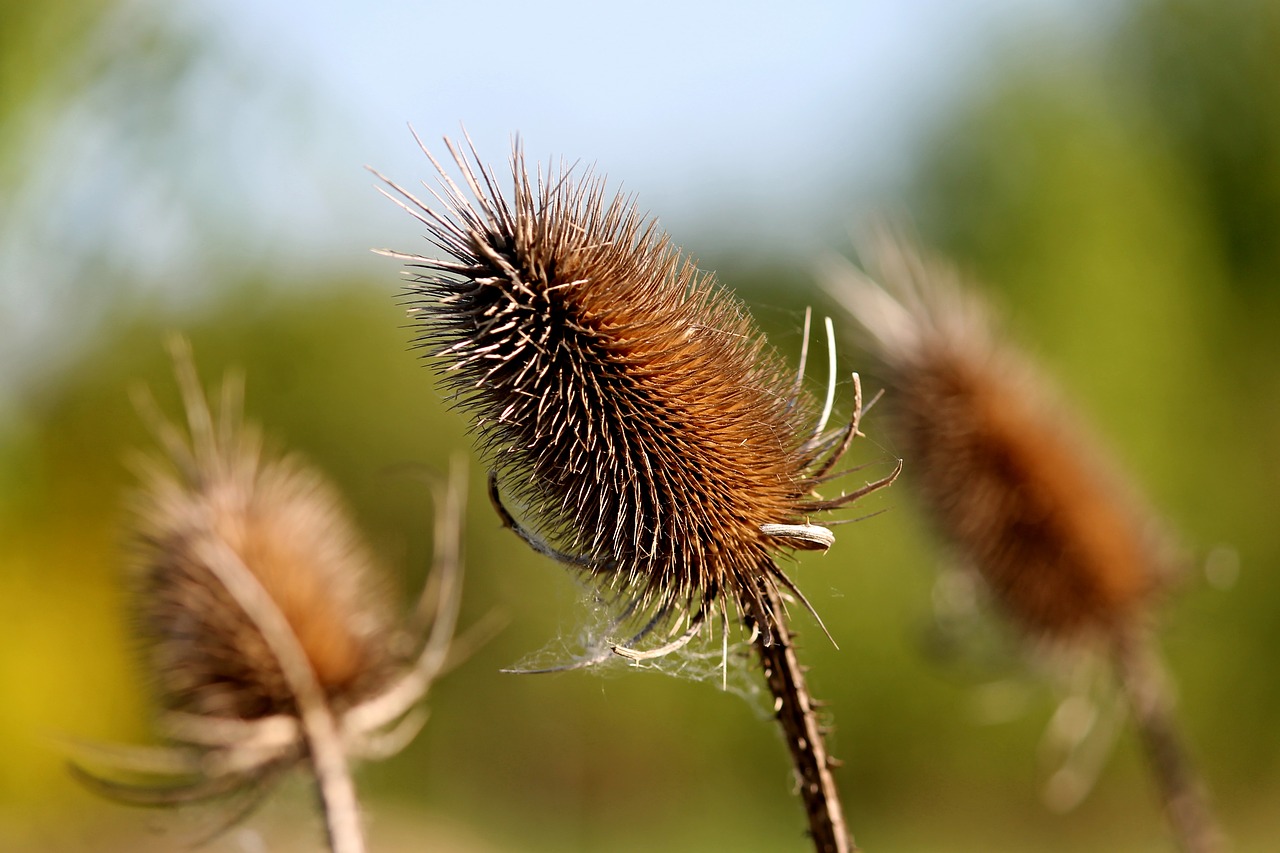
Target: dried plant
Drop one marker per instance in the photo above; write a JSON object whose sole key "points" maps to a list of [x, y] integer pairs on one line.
{"points": [[650, 437], [263, 624], [1069, 553]]}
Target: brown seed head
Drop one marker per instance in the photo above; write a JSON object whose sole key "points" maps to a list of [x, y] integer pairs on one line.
{"points": [[262, 626], [628, 402], [1006, 474], [288, 528]]}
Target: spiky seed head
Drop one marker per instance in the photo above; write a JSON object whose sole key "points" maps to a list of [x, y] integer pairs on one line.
{"points": [[999, 462], [215, 487], [263, 626], [628, 401]]}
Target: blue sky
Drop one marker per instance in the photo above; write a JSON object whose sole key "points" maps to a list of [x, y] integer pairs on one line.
{"points": [[763, 127], [749, 118]]}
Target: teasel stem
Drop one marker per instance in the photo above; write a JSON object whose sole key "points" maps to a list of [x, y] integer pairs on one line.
{"points": [[1183, 796], [794, 709], [334, 786]]}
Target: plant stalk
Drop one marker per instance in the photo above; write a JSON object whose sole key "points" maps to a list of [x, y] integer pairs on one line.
{"points": [[1185, 801], [805, 738]]}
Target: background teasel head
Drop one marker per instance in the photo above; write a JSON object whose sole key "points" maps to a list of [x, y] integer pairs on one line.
{"points": [[1065, 547], [999, 463], [263, 624], [624, 399]]}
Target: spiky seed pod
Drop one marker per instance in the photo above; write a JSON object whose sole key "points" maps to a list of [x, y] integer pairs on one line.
{"points": [[264, 623], [999, 463], [628, 400], [1069, 552], [290, 530], [654, 439]]}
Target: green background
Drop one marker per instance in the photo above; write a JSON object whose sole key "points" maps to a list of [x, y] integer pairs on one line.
{"points": [[1121, 204]]}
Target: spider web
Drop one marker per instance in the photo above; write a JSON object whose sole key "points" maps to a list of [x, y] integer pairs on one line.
{"points": [[719, 653]]}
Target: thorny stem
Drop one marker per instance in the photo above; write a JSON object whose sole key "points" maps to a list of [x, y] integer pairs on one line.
{"points": [[805, 738], [1184, 798]]}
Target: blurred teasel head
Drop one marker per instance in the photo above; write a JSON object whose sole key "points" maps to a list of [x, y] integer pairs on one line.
{"points": [[1008, 477], [221, 500], [1067, 549], [624, 399], [263, 621]]}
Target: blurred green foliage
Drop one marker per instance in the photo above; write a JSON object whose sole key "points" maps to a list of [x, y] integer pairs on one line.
{"points": [[1122, 206], [37, 43]]}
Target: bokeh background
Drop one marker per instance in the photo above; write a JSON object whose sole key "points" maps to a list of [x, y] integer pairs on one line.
{"points": [[1109, 171]]}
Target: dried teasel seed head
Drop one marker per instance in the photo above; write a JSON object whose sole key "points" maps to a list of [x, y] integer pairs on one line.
{"points": [[625, 399], [655, 441], [216, 492], [1009, 478], [264, 625]]}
